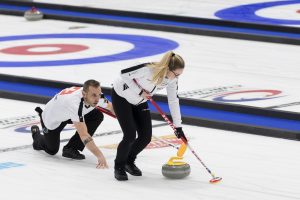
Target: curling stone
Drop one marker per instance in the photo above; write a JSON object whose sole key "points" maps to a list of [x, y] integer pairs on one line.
{"points": [[176, 169], [33, 14]]}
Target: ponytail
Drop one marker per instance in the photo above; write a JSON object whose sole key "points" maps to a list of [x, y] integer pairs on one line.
{"points": [[170, 61]]}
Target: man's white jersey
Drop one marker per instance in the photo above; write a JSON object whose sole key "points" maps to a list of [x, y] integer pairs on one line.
{"points": [[128, 89], [68, 104]]}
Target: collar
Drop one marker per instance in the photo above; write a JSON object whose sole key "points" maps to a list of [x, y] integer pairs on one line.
{"points": [[85, 105]]}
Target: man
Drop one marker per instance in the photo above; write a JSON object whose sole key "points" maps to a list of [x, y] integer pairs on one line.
{"points": [[72, 105]]}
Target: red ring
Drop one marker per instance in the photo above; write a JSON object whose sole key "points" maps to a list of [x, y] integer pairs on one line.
{"points": [[63, 48]]}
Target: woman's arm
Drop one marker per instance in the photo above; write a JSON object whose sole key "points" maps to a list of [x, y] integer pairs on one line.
{"points": [[173, 102]]}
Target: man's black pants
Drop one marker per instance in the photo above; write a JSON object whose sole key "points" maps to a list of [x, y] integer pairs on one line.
{"points": [[50, 141]]}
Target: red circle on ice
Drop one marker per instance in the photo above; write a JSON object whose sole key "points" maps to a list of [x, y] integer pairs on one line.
{"points": [[44, 49]]}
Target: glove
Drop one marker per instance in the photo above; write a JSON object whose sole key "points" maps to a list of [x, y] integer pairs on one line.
{"points": [[179, 133]]}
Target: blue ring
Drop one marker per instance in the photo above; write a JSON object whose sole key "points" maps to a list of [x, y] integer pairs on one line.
{"points": [[143, 46], [246, 13], [24, 129], [222, 99]]}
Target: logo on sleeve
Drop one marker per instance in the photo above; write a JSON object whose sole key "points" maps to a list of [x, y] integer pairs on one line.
{"points": [[125, 87]]}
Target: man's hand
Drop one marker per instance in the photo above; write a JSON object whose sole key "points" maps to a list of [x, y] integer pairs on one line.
{"points": [[90, 144], [101, 163]]}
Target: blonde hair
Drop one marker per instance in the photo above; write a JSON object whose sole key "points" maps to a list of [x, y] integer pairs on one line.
{"points": [[170, 61]]}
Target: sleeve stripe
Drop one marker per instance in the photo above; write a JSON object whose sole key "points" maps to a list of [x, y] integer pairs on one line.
{"points": [[153, 89], [80, 110], [130, 69]]}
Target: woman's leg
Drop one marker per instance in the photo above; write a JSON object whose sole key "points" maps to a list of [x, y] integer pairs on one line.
{"points": [[144, 129], [124, 114]]}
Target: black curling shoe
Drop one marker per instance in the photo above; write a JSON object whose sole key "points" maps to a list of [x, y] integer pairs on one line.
{"points": [[72, 153], [120, 174], [132, 169], [35, 132]]}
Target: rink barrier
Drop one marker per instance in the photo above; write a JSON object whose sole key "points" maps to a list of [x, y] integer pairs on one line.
{"points": [[12, 87], [161, 22]]}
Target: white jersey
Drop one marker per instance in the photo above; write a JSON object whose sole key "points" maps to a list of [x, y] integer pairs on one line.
{"points": [[128, 89], [68, 104]]}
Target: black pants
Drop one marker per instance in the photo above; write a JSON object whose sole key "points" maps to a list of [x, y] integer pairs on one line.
{"points": [[132, 119], [50, 141]]}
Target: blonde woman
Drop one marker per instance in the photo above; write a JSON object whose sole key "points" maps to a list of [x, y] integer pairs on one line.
{"points": [[131, 108]]}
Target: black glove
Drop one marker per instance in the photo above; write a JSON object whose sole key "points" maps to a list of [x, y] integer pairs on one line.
{"points": [[179, 133]]}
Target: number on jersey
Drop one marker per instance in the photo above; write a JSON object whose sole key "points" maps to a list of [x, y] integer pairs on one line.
{"points": [[69, 90]]}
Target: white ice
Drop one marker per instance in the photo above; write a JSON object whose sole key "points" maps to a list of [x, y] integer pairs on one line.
{"points": [[252, 167], [191, 8]]}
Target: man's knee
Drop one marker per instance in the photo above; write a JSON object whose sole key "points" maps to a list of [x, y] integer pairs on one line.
{"points": [[52, 151], [100, 117], [94, 116], [93, 123]]}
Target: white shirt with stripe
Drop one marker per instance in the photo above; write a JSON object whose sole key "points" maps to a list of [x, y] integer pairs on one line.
{"points": [[128, 89], [65, 105]]}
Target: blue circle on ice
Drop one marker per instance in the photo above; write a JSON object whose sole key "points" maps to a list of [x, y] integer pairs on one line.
{"points": [[246, 13], [142, 46], [26, 129]]}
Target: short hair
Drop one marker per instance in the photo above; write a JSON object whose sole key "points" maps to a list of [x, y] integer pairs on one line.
{"points": [[89, 83]]}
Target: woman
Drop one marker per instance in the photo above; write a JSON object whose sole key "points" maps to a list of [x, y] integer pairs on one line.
{"points": [[129, 98]]}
